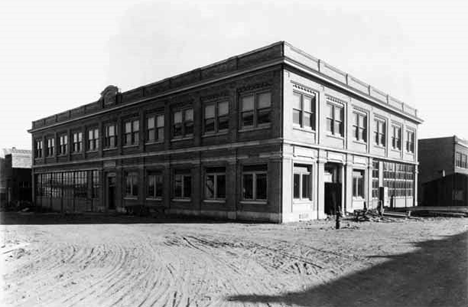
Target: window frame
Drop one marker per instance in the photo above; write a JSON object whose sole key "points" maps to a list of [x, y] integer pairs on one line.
{"points": [[255, 111], [155, 195], [359, 130], [341, 122], [62, 144], [133, 176], [396, 139], [358, 189], [302, 111], [378, 134], [215, 172], [410, 141], [132, 137], [77, 144], [182, 173], [183, 123], [255, 174], [110, 141], [301, 170], [92, 144], [50, 146], [38, 148], [216, 117], [155, 129]]}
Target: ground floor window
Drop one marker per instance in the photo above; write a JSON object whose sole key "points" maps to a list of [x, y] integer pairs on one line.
{"points": [[69, 185], [182, 184], [254, 182], [375, 179], [154, 185], [358, 183], [399, 178], [215, 183], [131, 184], [302, 182]]}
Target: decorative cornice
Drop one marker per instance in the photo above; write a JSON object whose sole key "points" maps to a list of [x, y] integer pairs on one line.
{"points": [[253, 87]]}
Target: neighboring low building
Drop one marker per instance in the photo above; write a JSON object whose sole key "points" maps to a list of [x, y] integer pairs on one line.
{"points": [[443, 171], [273, 134], [15, 176]]}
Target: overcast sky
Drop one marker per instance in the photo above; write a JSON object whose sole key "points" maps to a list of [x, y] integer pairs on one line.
{"points": [[58, 55]]}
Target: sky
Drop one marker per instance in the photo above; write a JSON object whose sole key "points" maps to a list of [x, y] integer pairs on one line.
{"points": [[58, 55]]}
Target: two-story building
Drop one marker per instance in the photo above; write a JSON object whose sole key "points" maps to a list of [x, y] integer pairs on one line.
{"points": [[273, 134]]}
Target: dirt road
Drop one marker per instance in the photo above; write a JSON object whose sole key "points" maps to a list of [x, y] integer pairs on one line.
{"points": [[126, 261]]}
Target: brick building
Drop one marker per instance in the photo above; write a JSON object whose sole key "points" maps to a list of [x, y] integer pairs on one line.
{"points": [[15, 176], [273, 134], [443, 177]]}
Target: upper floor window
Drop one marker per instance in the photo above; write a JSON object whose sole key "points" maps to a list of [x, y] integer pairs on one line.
{"points": [[302, 182], [63, 144], [255, 110], [182, 184], [358, 183], [77, 141], [410, 141], [254, 182], [461, 160], [396, 137], [216, 117], [93, 139], [110, 136], [131, 184], [155, 185], [132, 132], [50, 146], [38, 149], [335, 118], [182, 123], [155, 128], [360, 127], [304, 110], [380, 132], [215, 183]]}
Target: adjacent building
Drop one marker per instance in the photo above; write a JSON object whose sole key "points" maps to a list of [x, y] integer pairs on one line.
{"points": [[15, 176], [443, 174], [273, 135]]}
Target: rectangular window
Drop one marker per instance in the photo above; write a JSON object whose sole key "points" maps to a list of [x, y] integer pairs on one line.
{"points": [[77, 141], [38, 149], [131, 184], [304, 110], [461, 160], [216, 117], [255, 110], [396, 137], [96, 183], [215, 183], [50, 147], [63, 144], [93, 139], [360, 127], [155, 128], [335, 116], [254, 182], [410, 141], [132, 132], [155, 185], [110, 136], [380, 133], [358, 183], [182, 184], [375, 179], [302, 182], [182, 124], [81, 184]]}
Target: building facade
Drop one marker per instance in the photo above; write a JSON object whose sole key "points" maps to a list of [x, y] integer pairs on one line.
{"points": [[15, 176], [443, 176], [273, 134]]}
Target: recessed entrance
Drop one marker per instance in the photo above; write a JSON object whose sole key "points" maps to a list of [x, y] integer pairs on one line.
{"points": [[333, 188], [111, 189]]}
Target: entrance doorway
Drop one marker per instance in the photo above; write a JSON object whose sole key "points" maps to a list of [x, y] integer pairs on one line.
{"points": [[333, 188], [111, 189]]}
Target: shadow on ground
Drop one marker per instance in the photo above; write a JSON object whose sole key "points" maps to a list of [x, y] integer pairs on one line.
{"points": [[31, 218], [434, 275]]}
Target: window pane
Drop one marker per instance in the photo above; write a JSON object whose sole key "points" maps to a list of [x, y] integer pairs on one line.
{"points": [[187, 186], [160, 121], [261, 186], [297, 184], [136, 125], [178, 117], [209, 186], [308, 120], [209, 125], [296, 101], [247, 118], [178, 186], [159, 186], [329, 125], [263, 116], [264, 100], [189, 115], [223, 122], [150, 122], [223, 108], [188, 128], [338, 113], [247, 188], [221, 186], [248, 103], [330, 111], [177, 129], [151, 135], [307, 104], [297, 118], [111, 130], [160, 134], [151, 183], [210, 111], [128, 127], [305, 186]]}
